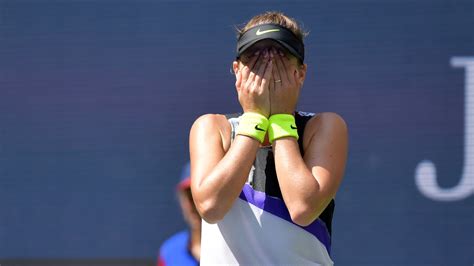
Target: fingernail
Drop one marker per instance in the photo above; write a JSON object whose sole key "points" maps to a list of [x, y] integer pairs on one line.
{"points": [[281, 53]]}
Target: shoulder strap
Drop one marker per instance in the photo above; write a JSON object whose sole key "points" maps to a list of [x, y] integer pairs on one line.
{"points": [[301, 118], [234, 123]]}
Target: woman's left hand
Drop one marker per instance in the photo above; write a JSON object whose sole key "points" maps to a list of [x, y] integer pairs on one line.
{"points": [[285, 90]]}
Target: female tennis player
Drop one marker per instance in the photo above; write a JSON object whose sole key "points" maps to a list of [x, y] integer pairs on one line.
{"points": [[264, 180]]}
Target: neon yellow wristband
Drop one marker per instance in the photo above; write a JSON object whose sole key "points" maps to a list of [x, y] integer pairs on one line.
{"points": [[253, 125], [282, 125]]}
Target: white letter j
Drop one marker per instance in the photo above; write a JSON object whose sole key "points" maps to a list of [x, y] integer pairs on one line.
{"points": [[425, 172]]}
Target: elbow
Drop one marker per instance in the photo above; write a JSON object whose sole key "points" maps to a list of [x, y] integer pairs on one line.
{"points": [[302, 214], [210, 211]]}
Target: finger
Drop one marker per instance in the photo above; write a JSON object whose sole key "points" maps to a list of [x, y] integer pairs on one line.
{"points": [[271, 82], [251, 77], [288, 69], [266, 81], [238, 79], [276, 72], [267, 75], [262, 69], [276, 76], [280, 52], [253, 72], [297, 82], [248, 67], [281, 70], [296, 78]]}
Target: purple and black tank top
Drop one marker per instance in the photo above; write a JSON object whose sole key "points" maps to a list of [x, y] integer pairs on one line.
{"points": [[258, 229]]}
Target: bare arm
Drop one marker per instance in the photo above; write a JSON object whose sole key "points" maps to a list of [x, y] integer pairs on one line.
{"points": [[308, 184], [218, 176]]}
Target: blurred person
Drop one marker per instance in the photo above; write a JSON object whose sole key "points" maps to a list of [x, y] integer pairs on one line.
{"points": [[184, 247], [264, 180]]}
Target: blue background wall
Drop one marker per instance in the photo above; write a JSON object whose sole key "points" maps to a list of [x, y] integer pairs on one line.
{"points": [[97, 98]]}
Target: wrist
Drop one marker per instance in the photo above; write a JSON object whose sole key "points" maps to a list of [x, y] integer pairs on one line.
{"points": [[254, 125], [282, 112], [257, 111], [282, 126]]}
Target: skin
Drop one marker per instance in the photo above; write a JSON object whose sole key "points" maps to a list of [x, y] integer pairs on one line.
{"points": [[193, 220], [219, 169]]}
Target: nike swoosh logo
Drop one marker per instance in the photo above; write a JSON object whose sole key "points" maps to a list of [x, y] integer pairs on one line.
{"points": [[293, 127], [258, 33], [259, 129]]}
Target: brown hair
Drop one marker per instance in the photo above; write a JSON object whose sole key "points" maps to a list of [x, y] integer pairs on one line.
{"points": [[274, 17]]}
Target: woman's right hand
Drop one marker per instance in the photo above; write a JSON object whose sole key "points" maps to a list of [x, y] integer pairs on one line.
{"points": [[252, 84]]}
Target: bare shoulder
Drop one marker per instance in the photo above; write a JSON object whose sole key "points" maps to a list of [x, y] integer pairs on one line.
{"points": [[323, 125], [327, 119], [211, 125], [210, 120]]}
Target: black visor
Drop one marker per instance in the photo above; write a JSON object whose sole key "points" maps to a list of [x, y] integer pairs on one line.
{"points": [[275, 32]]}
